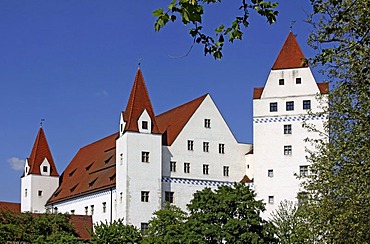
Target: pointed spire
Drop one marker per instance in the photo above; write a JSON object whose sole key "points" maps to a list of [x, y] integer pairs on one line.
{"points": [[39, 152], [291, 55], [139, 101]]}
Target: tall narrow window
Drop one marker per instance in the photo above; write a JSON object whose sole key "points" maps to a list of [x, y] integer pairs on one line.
{"points": [[144, 226], [205, 169], [39, 193], [44, 169], [288, 150], [92, 209], [205, 146], [271, 199], [186, 167], [270, 173], [221, 148], [287, 129], [207, 123], [25, 192], [226, 170], [306, 104], [145, 157], [145, 196], [173, 166], [281, 82], [144, 125], [190, 145], [303, 170], [104, 207], [86, 210], [290, 106], [273, 107], [168, 196], [120, 197]]}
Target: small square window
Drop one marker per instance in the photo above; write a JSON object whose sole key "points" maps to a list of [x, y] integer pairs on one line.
{"points": [[287, 129], [306, 104], [173, 166], [145, 157], [205, 169], [303, 170], [221, 148], [205, 146], [168, 196], [273, 107], [145, 196], [281, 82], [144, 125], [144, 226], [271, 199], [270, 173], [190, 145], [298, 80], [290, 106], [39, 193], [226, 170], [207, 123], [44, 169], [186, 167], [288, 150], [73, 212]]}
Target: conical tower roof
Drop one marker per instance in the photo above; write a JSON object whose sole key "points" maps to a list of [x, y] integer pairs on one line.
{"points": [[139, 101], [39, 152], [291, 55]]}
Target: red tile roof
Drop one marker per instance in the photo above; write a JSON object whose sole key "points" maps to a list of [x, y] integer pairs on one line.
{"points": [[11, 206], [323, 87], [83, 226], [39, 152], [173, 121], [291, 55], [246, 179], [139, 101], [92, 169], [257, 92]]}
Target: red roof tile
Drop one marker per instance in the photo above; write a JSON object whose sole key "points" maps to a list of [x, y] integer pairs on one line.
{"points": [[92, 169], [139, 101], [83, 226], [257, 92], [246, 180], [39, 152], [291, 55], [323, 87], [11, 206], [173, 121]]}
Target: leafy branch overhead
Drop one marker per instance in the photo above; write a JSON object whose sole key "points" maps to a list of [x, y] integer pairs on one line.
{"points": [[191, 12]]}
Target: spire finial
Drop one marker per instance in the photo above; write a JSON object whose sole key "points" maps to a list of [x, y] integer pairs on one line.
{"points": [[42, 120], [139, 62], [292, 22]]}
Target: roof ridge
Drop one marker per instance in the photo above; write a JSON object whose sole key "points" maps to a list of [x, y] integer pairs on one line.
{"points": [[184, 104]]}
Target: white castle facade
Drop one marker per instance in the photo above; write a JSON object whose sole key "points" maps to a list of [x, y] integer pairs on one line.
{"points": [[168, 157]]}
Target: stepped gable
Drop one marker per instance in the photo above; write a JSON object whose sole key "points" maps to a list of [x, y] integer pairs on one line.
{"points": [[92, 169], [39, 152], [173, 121], [291, 55], [139, 101]]}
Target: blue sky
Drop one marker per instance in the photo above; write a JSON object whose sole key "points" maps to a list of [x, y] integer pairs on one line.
{"points": [[72, 63]]}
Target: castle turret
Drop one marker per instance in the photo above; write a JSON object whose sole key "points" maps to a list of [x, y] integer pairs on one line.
{"points": [[40, 177]]}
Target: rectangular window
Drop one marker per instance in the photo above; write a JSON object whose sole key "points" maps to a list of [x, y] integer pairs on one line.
{"points": [[144, 226], [25, 192], [270, 173], [281, 82], [205, 146], [173, 166], [168, 196], [306, 104], [226, 170], [303, 170], [45, 169], [39, 193], [86, 210], [120, 197], [144, 125], [186, 167], [290, 106], [221, 148], [287, 129], [207, 123], [205, 169], [72, 212], [273, 107], [288, 150], [92, 209], [298, 80], [271, 199], [104, 207], [190, 145], [145, 157], [55, 210], [145, 196]]}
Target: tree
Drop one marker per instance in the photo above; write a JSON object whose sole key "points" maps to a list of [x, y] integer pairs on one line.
{"points": [[115, 233], [191, 12], [338, 188], [227, 215], [166, 226]]}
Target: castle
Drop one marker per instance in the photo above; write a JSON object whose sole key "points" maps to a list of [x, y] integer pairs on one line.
{"points": [[153, 159]]}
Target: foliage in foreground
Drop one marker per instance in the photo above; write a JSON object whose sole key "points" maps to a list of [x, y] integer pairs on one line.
{"points": [[115, 233]]}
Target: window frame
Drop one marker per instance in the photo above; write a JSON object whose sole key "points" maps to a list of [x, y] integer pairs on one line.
{"points": [[289, 106], [144, 196], [221, 148], [169, 196], [190, 145], [186, 168], [271, 199], [144, 125], [226, 170], [273, 107], [298, 80], [288, 150], [145, 157], [270, 173], [288, 129], [207, 123], [281, 82], [205, 169], [306, 104], [172, 166], [303, 170], [205, 146]]}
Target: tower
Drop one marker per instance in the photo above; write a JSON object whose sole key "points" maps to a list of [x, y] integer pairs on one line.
{"points": [[139, 158], [278, 108], [40, 177]]}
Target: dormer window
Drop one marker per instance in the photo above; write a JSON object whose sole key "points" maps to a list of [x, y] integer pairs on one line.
{"points": [[281, 82], [45, 169], [144, 125]]}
